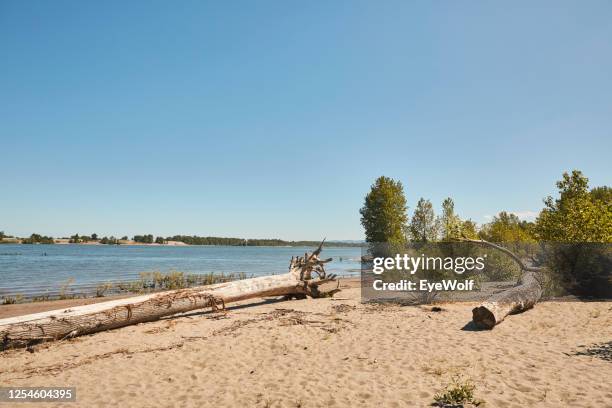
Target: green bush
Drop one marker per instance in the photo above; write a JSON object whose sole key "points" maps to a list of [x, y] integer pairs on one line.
{"points": [[457, 394]]}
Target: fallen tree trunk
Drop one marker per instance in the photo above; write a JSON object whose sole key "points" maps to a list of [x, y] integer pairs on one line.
{"points": [[66, 323], [522, 297], [515, 300]]}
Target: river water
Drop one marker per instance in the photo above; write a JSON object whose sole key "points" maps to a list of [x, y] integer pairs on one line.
{"points": [[33, 270]]}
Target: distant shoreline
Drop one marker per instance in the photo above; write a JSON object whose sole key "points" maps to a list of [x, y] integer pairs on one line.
{"points": [[65, 241]]}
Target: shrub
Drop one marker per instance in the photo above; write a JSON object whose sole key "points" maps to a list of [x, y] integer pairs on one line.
{"points": [[457, 394]]}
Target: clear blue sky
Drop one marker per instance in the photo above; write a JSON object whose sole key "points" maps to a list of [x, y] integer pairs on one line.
{"points": [[272, 119]]}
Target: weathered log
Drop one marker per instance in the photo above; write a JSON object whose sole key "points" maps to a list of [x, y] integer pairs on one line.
{"points": [[66, 323], [521, 297], [514, 300]]}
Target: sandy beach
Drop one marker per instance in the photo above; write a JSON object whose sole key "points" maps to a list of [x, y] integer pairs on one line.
{"points": [[331, 353]]}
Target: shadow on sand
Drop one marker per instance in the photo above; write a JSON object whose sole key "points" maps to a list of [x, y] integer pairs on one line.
{"points": [[471, 326]]}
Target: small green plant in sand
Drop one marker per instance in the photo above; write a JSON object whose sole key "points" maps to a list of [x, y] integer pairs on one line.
{"points": [[458, 394]]}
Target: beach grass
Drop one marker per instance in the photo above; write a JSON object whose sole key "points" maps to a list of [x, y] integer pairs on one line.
{"points": [[148, 282]]}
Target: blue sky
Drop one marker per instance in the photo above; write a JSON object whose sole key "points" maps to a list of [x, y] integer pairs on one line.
{"points": [[272, 119]]}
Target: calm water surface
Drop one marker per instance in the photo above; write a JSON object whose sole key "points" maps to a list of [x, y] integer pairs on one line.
{"points": [[41, 269]]}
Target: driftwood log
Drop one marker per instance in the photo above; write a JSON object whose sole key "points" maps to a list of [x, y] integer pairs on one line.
{"points": [[521, 297], [305, 276], [514, 300]]}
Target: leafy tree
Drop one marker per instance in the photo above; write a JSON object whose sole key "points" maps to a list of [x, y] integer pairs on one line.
{"points": [[468, 229], [124, 238], [423, 225], [577, 215], [160, 240], [94, 237], [38, 239], [109, 241], [144, 239], [506, 227], [450, 222], [603, 193], [578, 229], [528, 228], [2, 235], [383, 214]]}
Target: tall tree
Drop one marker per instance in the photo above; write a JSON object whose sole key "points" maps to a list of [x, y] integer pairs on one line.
{"points": [[578, 227], [450, 222], [577, 215], [423, 225], [383, 214]]}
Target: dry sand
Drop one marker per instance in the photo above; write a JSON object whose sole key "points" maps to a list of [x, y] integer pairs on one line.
{"points": [[330, 353]]}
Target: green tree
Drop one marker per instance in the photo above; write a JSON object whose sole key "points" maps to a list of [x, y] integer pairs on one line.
{"points": [[423, 225], [160, 240], [468, 229], [577, 215], [109, 240], [38, 239], [603, 193], [94, 236], [450, 223], [506, 227], [578, 229], [143, 239], [383, 214]]}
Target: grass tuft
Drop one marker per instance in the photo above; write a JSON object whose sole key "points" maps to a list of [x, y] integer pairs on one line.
{"points": [[457, 394]]}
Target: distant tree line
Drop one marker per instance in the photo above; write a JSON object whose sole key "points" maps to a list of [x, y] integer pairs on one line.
{"points": [[37, 239], [143, 239], [109, 240], [187, 239], [196, 240]]}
